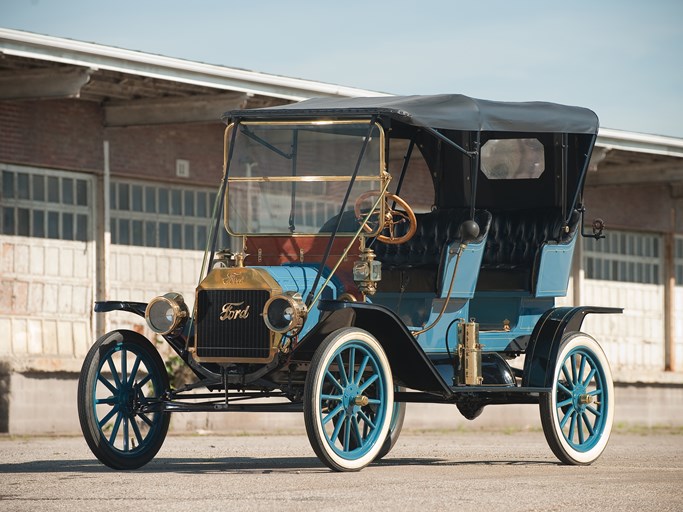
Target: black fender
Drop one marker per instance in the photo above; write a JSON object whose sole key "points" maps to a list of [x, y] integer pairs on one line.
{"points": [[116, 305], [545, 341], [409, 364]]}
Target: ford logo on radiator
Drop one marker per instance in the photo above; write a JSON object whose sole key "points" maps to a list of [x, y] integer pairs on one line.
{"points": [[234, 311]]}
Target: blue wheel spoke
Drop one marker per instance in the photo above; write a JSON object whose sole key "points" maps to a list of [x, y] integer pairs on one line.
{"points": [[572, 360], [114, 372], [579, 425], [144, 381], [111, 400], [126, 446], [109, 416], [572, 426], [333, 413], [134, 371], [582, 367], [336, 398], [595, 392], [136, 430], [591, 374], [567, 377], [564, 388], [144, 418], [563, 422], [565, 402], [347, 433], [124, 365], [366, 420], [108, 384], [361, 369], [368, 382], [333, 379], [356, 430], [337, 428], [587, 422], [594, 411], [115, 430], [352, 364], [342, 370]]}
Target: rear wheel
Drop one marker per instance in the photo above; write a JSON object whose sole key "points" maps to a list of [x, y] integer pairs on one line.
{"points": [[121, 373], [348, 400], [577, 415]]}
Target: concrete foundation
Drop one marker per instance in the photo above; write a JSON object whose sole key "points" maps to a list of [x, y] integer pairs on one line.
{"points": [[44, 403]]}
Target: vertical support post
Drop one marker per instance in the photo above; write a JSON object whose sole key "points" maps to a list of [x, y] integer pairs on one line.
{"points": [[103, 239], [670, 297], [578, 272]]}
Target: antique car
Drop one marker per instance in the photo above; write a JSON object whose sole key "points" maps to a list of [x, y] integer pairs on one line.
{"points": [[385, 251]]}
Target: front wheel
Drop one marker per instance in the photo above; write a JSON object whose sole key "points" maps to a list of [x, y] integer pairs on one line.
{"points": [[348, 400], [577, 414], [121, 373]]}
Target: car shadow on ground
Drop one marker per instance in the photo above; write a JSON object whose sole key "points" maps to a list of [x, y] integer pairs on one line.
{"points": [[239, 465]]}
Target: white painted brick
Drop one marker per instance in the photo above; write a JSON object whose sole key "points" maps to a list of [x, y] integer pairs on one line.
{"points": [[37, 260], [7, 336], [65, 338], [50, 346], [19, 336]]}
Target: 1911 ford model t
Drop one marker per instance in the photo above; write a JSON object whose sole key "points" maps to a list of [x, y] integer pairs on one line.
{"points": [[400, 249]]}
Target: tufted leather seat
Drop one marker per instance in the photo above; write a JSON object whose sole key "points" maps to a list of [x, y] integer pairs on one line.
{"points": [[514, 243], [434, 230]]}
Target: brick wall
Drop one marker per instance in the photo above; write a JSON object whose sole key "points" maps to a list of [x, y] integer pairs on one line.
{"points": [[68, 134]]}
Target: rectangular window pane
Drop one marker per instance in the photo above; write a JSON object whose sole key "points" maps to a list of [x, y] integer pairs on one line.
{"points": [[163, 235], [201, 237], [150, 199], [81, 193], [67, 191], [68, 226], [176, 236], [202, 207], [8, 221], [189, 203], [81, 228], [124, 200], [150, 234], [39, 223], [22, 186], [176, 206], [137, 232], [23, 222], [136, 191], [124, 232], [52, 189], [38, 187], [7, 184], [189, 237], [52, 224], [163, 200]]}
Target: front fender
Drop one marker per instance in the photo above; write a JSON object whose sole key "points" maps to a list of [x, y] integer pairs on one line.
{"points": [[544, 344], [409, 364], [116, 305]]}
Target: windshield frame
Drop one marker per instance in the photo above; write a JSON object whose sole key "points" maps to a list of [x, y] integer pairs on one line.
{"points": [[380, 178]]}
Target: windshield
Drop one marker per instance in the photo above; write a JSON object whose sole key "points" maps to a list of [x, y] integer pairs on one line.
{"points": [[291, 178]]}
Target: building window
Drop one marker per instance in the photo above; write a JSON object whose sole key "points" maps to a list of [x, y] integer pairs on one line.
{"points": [[623, 256], [45, 204], [162, 216], [678, 260]]}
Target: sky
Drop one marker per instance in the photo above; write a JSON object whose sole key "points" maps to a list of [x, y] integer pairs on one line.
{"points": [[623, 59]]}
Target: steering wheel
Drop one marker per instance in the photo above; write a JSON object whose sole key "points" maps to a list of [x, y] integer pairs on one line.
{"points": [[392, 217]]}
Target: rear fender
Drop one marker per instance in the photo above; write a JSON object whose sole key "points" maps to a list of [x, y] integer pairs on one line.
{"points": [[545, 341], [409, 364]]}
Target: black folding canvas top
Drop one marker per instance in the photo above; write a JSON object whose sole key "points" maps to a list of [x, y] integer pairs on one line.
{"points": [[441, 112]]}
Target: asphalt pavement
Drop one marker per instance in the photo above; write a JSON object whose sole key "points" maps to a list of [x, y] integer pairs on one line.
{"points": [[456, 470]]}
